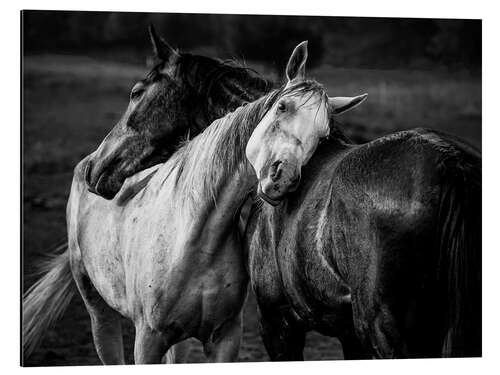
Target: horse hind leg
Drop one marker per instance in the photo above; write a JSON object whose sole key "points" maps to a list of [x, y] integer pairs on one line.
{"points": [[382, 334], [105, 322]]}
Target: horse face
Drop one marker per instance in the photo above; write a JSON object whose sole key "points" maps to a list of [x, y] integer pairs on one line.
{"points": [[284, 141], [289, 133], [145, 135]]}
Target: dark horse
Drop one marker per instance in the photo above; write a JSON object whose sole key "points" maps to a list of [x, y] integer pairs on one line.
{"points": [[179, 98], [379, 246]]}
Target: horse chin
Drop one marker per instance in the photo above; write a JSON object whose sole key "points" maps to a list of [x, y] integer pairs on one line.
{"points": [[272, 201]]}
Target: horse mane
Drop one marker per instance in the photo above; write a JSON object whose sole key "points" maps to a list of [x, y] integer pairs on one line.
{"points": [[222, 84], [218, 152], [237, 83]]}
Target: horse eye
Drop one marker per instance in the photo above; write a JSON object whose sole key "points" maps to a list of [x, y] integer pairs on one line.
{"points": [[136, 94], [281, 107]]}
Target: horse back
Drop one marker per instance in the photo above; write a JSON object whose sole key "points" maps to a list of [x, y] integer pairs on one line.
{"points": [[399, 178]]}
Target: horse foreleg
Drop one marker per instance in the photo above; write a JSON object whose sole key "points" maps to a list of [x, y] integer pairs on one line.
{"points": [[150, 345], [224, 345], [105, 322], [179, 352], [283, 338], [352, 347]]}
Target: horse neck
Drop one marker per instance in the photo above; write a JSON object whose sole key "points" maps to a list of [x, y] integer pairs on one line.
{"points": [[215, 223], [213, 219], [213, 175]]}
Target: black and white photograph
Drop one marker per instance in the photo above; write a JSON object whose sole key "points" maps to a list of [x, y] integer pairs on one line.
{"points": [[208, 187]]}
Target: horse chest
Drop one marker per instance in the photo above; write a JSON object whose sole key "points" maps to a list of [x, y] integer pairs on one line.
{"points": [[311, 284], [290, 265]]}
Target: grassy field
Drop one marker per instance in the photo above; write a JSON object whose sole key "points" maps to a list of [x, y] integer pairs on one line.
{"points": [[70, 103]]}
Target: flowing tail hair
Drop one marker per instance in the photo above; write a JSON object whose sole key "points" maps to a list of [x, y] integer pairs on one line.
{"points": [[47, 299], [460, 254]]}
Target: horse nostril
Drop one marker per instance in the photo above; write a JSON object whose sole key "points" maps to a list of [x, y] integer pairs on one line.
{"points": [[275, 172]]}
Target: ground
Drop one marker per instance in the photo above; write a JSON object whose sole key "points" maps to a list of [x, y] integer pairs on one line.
{"points": [[70, 103]]}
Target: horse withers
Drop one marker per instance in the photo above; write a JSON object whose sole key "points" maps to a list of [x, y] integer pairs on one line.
{"points": [[379, 245]]}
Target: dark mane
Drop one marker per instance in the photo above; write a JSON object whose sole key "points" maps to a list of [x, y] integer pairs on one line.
{"points": [[223, 85], [215, 80], [218, 69]]}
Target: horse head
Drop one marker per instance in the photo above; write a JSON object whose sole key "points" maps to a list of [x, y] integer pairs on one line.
{"points": [[181, 95], [289, 133]]}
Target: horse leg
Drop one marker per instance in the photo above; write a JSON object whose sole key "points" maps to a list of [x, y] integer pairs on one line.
{"points": [[378, 329], [105, 322], [283, 338], [150, 345], [352, 346], [224, 344], [179, 352]]}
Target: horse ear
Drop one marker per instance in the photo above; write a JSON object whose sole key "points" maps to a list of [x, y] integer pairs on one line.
{"points": [[343, 104], [161, 48], [296, 67]]}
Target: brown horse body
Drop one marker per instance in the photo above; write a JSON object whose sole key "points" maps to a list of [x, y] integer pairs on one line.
{"points": [[381, 240]]}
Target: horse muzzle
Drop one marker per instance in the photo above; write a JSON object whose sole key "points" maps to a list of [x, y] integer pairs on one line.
{"points": [[282, 177], [101, 181]]}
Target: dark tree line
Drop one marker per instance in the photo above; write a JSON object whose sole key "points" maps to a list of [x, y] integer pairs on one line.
{"points": [[342, 41]]}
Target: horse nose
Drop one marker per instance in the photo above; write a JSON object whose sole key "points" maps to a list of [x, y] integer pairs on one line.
{"points": [[276, 170]]}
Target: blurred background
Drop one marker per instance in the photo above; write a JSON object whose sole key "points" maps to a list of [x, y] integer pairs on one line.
{"points": [[78, 69]]}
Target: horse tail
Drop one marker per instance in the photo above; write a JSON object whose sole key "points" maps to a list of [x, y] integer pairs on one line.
{"points": [[459, 268], [46, 300]]}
